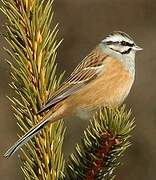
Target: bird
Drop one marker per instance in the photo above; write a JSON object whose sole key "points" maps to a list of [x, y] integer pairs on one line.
{"points": [[103, 78]]}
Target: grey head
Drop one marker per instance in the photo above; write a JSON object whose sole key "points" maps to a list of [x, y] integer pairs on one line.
{"points": [[122, 47], [119, 44]]}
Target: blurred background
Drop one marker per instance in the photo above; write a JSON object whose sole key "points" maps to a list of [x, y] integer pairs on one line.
{"points": [[83, 23]]}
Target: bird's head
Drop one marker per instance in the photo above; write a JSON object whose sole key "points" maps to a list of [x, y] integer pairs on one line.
{"points": [[120, 43]]}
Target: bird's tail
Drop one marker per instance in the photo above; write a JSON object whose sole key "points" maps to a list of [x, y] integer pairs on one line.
{"points": [[30, 134]]}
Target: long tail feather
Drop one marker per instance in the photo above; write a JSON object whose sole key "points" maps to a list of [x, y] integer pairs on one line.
{"points": [[24, 139]]}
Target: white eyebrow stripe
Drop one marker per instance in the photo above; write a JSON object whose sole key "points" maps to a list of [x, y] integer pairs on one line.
{"points": [[118, 38]]}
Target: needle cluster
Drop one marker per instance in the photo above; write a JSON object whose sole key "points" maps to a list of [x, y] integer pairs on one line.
{"points": [[33, 70], [105, 140]]}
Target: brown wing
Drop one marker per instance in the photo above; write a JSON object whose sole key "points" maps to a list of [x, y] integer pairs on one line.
{"points": [[86, 71]]}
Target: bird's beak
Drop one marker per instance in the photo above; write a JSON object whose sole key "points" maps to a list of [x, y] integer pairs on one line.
{"points": [[137, 48]]}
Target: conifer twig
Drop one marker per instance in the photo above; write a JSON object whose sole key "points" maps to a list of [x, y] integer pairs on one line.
{"points": [[105, 140], [33, 69]]}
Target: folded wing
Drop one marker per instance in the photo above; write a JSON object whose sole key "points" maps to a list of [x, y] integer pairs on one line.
{"points": [[88, 70]]}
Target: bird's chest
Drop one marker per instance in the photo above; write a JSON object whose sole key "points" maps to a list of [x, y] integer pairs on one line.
{"points": [[110, 89]]}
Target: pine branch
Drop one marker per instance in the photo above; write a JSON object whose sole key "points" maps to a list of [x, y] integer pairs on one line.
{"points": [[105, 140], [33, 72]]}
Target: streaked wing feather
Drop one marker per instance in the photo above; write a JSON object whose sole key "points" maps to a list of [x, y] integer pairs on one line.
{"points": [[87, 70]]}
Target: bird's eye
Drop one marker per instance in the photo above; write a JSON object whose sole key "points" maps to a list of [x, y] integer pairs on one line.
{"points": [[124, 43]]}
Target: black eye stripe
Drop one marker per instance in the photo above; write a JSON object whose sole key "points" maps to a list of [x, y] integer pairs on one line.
{"points": [[124, 43], [111, 42]]}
